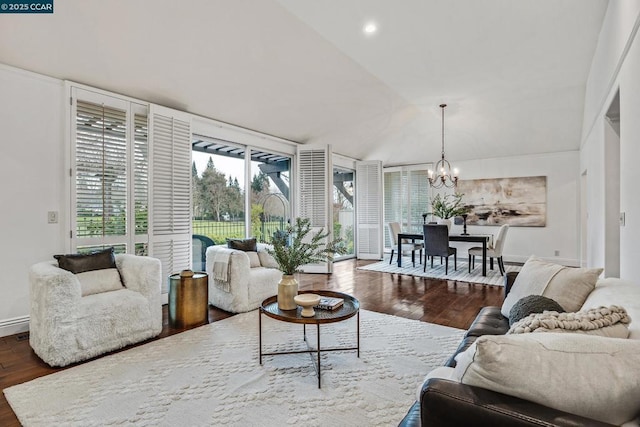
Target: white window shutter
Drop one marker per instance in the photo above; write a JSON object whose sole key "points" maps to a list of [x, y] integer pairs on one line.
{"points": [[170, 219], [369, 195], [315, 186]]}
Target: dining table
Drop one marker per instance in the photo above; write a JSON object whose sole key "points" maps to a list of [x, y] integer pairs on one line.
{"points": [[473, 238]]}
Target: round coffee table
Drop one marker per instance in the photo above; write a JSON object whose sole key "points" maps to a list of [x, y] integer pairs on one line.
{"points": [[350, 308]]}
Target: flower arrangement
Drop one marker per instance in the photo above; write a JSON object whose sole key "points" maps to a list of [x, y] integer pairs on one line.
{"points": [[291, 251], [448, 206]]}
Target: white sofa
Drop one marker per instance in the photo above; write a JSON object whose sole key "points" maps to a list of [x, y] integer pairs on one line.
{"points": [[248, 286], [66, 327]]}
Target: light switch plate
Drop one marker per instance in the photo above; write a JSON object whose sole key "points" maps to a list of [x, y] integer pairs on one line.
{"points": [[52, 217]]}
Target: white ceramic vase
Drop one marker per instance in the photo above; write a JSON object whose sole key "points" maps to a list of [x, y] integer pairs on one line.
{"points": [[446, 222], [287, 290]]}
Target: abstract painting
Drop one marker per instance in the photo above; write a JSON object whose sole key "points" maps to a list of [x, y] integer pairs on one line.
{"points": [[519, 202]]}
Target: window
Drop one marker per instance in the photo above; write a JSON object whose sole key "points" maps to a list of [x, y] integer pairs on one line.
{"points": [[221, 190], [406, 198], [343, 211], [109, 198]]}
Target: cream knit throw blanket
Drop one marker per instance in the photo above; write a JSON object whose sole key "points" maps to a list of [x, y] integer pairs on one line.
{"points": [[587, 320], [222, 270]]}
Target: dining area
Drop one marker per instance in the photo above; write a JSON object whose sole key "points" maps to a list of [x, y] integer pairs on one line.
{"points": [[435, 243]]}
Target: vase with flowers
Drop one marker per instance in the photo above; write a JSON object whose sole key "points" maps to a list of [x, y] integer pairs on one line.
{"points": [[448, 206], [292, 249]]}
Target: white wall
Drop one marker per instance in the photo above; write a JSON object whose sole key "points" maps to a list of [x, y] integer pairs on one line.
{"points": [[32, 176], [616, 66], [562, 229]]}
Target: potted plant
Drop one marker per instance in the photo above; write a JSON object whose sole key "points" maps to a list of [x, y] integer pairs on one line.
{"points": [[291, 249], [448, 206]]}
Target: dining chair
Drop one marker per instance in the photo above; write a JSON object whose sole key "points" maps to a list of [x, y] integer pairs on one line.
{"points": [[494, 251], [394, 230], [436, 243]]}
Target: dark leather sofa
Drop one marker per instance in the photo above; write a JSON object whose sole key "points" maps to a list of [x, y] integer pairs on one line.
{"points": [[446, 403]]}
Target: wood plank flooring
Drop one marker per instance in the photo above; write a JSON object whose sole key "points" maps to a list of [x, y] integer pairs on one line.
{"points": [[446, 303]]}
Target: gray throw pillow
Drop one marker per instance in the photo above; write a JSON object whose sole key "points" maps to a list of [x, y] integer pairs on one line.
{"points": [[79, 263], [532, 304], [246, 245]]}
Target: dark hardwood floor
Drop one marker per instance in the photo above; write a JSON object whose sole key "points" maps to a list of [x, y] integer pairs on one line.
{"points": [[452, 304]]}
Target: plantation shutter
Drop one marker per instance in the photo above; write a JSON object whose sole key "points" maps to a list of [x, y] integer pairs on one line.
{"points": [[101, 173], [419, 199], [395, 184], [109, 171], [315, 186], [140, 202], [170, 224], [369, 210]]}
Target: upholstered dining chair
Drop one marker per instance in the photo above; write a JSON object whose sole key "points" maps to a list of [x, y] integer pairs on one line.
{"points": [[494, 251], [436, 243], [394, 230]]}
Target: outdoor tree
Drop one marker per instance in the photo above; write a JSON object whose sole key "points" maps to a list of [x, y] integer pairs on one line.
{"points": [[196, 192], [213, 187], [234, 198]]}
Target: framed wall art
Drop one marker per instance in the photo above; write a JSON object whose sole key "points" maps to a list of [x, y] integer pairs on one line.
{"points": [[519, 202]]}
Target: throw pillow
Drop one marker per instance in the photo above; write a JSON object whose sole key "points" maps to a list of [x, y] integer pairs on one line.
{"points": [[243, 244], [254, 260], [267, 261], [594, 377], [79, 263], [532, 304], [609, 321], [568, 286], [98, 281]]}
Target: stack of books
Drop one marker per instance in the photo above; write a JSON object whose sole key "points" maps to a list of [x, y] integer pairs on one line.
{"points": [[328, 303]]}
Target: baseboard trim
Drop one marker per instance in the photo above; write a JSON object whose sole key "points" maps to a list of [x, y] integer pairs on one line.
{"points": [[13, 326]]}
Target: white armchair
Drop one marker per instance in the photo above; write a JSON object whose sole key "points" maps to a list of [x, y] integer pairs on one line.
{"points": [[250, 281], [67, 327]]}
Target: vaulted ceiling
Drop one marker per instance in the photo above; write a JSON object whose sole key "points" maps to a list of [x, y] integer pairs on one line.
{"points": [[513, 72]]}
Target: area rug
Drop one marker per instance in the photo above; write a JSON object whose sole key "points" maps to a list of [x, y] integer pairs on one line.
{"points": [[210, 376], [493, 277]]}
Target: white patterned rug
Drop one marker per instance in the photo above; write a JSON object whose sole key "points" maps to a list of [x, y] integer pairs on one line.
{"points": [[210, 376], [493, 277]]}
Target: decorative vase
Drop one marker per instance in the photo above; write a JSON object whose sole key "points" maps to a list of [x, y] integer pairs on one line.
{"points": [[287, 290], [446, 222]]}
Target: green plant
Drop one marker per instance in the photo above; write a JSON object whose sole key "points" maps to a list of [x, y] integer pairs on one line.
{"points": [[448, 206], [291, 251]]}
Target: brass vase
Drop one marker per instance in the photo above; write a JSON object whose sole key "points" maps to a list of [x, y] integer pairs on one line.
{"points": [[287, 289]]}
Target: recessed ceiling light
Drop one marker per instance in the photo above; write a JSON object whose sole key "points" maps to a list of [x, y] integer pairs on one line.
{"points": [[370, 28]]}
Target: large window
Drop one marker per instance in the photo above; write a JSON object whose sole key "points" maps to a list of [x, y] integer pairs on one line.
{"points": [[110, 199], [269, 194], [225, 178]]}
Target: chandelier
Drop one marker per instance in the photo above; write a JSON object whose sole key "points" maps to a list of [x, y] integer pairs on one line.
{"points": [[444, 176]]}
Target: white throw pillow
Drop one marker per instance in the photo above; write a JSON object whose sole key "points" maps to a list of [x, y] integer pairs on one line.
{"points": [[266, 260], [254, 260], [594, 377], [441, 372], [98, 281], [568, 286]]}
